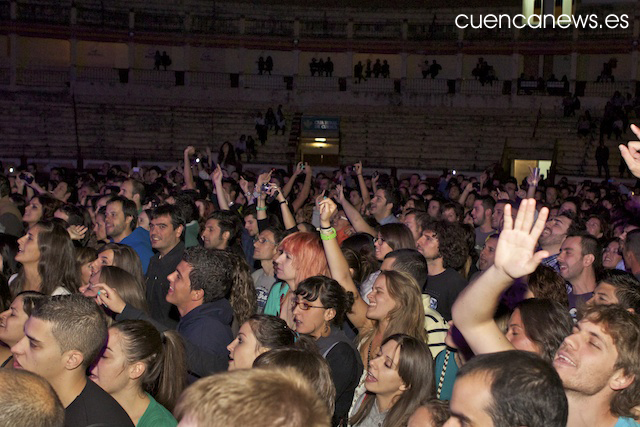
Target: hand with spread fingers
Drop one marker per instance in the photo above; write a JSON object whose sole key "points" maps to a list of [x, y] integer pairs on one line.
{"points": [[515, 254]]}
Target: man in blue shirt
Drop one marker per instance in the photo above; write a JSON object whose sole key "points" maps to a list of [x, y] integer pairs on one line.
{"points": [[120, 221]]}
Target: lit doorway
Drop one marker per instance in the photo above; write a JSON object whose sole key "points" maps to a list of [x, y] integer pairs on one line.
{"points": [[521, 169]]}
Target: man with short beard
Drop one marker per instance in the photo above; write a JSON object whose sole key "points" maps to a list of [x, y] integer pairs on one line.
{"points": [[554, 233]]}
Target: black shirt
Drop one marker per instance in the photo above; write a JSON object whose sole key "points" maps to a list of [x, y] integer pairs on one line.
{"points": [[158, 286], [443, 289], [94, 406]]}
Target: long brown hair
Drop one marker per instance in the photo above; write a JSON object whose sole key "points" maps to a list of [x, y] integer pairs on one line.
{"points": [[408, 315], [56, 265], [163, 354], [416, 369], [129, 288], [126, 258]]}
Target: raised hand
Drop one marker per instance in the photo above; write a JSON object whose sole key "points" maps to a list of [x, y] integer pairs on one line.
{"points": [[77, 232], [298, 170], [319, 198], [327, 208], [515, 253], [340, 191], [263, 178], [533, 178], [109, 298], [190, 151], [631, 153], [216, 175], [358, 167], [244, 184], [307, 169]]}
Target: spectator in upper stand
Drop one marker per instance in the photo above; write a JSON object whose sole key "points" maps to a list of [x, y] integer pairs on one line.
{"points": [[631, 252], [63, 337], [384, 70], [134, 191], [482, 213], [167, 237], [377, 68], [554, 233], [166, 60], [261, 65], [328, 67], [579, 262], [121, 225], [198, 288], [617, 287], [434, 69], [313, 66], [10, 217], [268, 64], [444, 247], [357, 72], [222, 231]]}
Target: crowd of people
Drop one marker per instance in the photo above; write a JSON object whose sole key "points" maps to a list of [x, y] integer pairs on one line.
{"points": [[205, 296]]}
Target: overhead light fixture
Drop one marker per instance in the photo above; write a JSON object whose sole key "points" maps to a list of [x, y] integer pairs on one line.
{"points": [[320, 139]]}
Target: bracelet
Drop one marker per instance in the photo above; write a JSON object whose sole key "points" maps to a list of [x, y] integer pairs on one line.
{"points": [[261, 209], [326, 228], [329, 236], [284, 202]]}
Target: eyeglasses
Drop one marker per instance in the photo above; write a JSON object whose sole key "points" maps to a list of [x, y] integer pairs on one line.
{"points": [[262, 241], [304, 306], [378, 239]]}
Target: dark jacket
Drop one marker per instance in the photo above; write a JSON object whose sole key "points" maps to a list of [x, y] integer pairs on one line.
{"points": [[206, 331]]}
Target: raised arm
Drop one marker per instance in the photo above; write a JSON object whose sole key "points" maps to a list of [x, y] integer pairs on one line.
{"points": [[339, 267], [364, 191], [463, 196], [532, 180], [188, 174], [287, 217], [216, 177], [289, 185], [306, 189], [631, 153], [474, 309], [359, 224]]}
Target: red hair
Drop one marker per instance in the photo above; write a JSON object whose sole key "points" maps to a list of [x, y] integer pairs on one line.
{"points": [[308, 255]]}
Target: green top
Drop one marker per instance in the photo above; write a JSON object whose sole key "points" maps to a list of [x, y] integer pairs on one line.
{"points": [[156, 415], [191, 234], [278, 291]]}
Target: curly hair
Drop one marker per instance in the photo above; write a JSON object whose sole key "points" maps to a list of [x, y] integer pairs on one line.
{"points": [[243, 293], [452, 243]]}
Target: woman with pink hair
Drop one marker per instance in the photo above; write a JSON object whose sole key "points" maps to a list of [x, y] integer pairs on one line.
{"points": [[300, 255]]}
